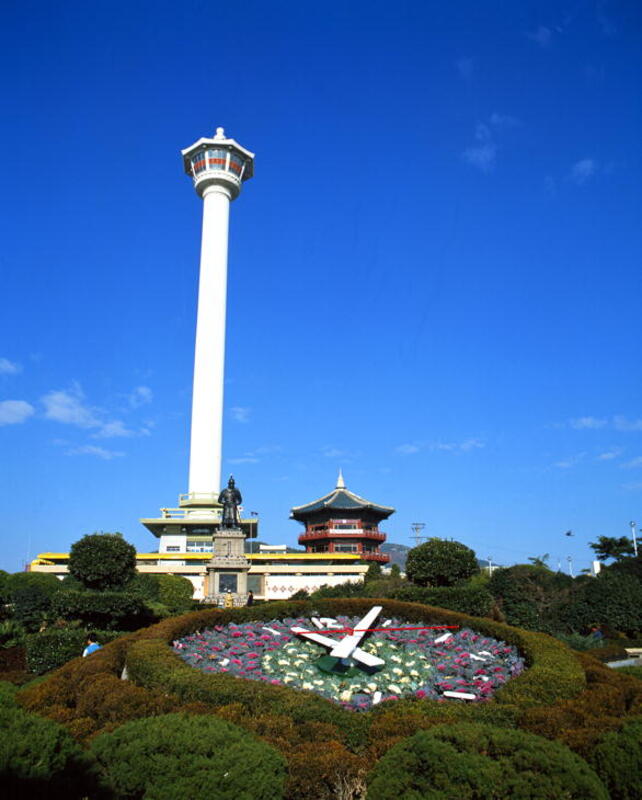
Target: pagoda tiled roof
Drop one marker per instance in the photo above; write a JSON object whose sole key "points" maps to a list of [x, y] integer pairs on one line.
{"points": [[340, 499]]}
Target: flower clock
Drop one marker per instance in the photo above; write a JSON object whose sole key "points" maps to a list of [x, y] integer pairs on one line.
{"points": [[357, 662]]}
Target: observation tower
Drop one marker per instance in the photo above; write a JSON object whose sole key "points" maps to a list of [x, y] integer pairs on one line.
{"points": [[218, 167]]}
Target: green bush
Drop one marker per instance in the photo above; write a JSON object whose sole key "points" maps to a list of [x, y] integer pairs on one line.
{"points": [[49, 584], [635, 672], [480, 761], [53, 648], [608, 652], [612, 598], [38, 758], [102, 561], [580, 643], [438, 562], [144, 585], [31, 607], [175, 592], [617, 759], [102, 610], [533, 597], [12, 633], [178, 756], [476, 601]]}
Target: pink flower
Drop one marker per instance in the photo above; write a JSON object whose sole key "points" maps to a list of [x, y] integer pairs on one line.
{"points": [[420, 693], [236, 634]]}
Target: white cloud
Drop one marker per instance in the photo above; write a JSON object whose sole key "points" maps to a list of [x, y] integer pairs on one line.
{"points": [[624, 424], [452, 447], [92, 450], [581, 423], [13, 412], [503, 120], [9, 367], [142, 395], [609, 455], [583, 170], [240, 413], [481, 156], [542, 36], [68, 407], [244, 460], [407, 449], [116, 428], [571, 461], [465, 67], [484, 154], [634, 462]]}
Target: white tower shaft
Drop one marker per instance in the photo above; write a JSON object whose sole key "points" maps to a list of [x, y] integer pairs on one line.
{"points": [[209, 358]]}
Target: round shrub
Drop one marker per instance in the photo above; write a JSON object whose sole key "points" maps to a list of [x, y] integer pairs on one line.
{"points": [[474, 762], [440, 563], [617, 759], [179, 755], [53, 648], [102, 561], [38, 758], [103, 610], [175, 592]]}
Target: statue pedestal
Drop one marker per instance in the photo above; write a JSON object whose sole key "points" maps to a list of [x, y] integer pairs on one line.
{"points": [[228, 567]]}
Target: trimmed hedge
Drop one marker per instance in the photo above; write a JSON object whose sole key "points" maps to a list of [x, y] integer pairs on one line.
{"points": [[40, 759], [475, 762], [617, 759], [103, 610], [177, 756], [474, 600], [53, 648]]}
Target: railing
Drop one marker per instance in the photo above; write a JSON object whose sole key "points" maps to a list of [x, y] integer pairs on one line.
{"points": [[330, 533], [383, 558]]}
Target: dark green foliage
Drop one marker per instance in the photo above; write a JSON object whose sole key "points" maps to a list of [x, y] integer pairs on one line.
{"points": [[440, 563], [532, 597], [347, 589], [53, 648], [612, 547], [617, 759], [302, 594], [468, 600], [69, 582], [48, 584], [12, 633], [102, 561], [395, 572], [475, 762], [145, 586], [373, 573], [175, 592], [31, 605], [39, 759], [4, 589], [180, 756], [627, 565], [635, 672], [103, 610], [612, 599], [608, 652]]}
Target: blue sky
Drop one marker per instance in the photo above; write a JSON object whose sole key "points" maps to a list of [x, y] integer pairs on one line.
{"points": [[434, 275]]}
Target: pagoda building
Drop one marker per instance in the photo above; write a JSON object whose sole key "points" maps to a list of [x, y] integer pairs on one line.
{"points": [[343, 522]]}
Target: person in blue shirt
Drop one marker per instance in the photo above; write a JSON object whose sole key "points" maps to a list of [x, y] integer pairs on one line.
{"points": [[92, 646]]}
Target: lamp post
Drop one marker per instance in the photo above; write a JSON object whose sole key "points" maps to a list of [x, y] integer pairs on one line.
{"points": [[570, 565], [635, 541], [490, 565]]}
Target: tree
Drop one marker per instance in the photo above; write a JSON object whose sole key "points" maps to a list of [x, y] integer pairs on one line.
{"points": [[373, 573], [540, 561], [612, 547], [395, 572], [440, 563], [102, 561]]}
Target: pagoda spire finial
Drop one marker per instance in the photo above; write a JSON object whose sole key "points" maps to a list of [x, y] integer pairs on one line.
{"points": [[341, 484]]}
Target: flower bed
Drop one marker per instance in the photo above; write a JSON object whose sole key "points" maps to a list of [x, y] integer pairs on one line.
{"points": [[415, 663]]}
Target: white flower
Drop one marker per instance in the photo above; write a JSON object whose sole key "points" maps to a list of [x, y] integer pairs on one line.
{"points": [[414, 673], [394, 688], [345, 696], [307, 685], [372, 687], [405, 680], [397, 671]]}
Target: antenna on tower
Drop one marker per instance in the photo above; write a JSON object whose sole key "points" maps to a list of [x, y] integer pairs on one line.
{"points": [[417, 528]]}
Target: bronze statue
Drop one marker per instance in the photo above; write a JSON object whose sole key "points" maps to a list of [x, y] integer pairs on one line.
{"points": [[230, 499]]}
